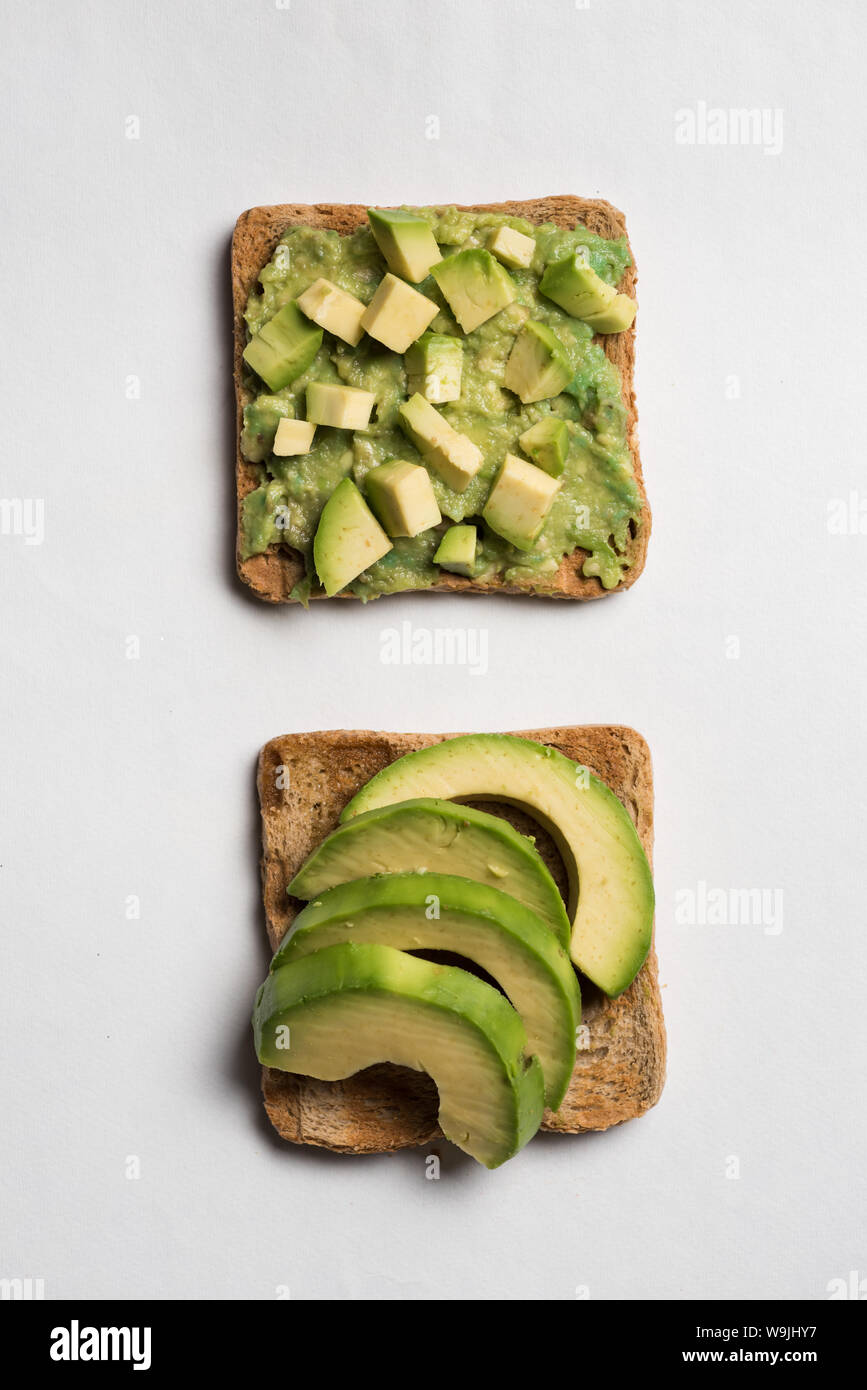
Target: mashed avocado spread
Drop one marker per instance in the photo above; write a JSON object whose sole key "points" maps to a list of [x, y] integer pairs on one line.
{"points": [[598, 500]]}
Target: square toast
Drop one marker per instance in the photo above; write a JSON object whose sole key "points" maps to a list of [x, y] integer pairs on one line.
{"points": [[273, 574], [304, 782]]}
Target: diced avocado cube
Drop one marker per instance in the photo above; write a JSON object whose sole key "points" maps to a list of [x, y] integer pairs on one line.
{"points": [[538, 365], [618, 316], [547, 444], [348, 538], [397, 314], [512, 248], [344, 407], [475, 286], [284, 347], [519, 501], [457, 550], [406, 241], [455, 457], [402, 498], [434, 365], [334, 310], [575, 286], [293, 437]]}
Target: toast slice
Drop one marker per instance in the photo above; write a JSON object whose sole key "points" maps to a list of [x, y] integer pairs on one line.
{"points": [[273, 574], [304, 782]]}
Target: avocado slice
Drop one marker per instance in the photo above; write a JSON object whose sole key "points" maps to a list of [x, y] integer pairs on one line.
{"points": [[430, 835], [547, 444], [284, 347], [475, 286], [457, 550], [611, 889], [348, 538], [538, 365], [405, 240], [351, 1006], [439, 912], [574, 285]]}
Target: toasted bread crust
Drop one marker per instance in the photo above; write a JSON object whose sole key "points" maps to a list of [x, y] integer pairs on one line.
{"points": [[305, 781], [273, 574]]}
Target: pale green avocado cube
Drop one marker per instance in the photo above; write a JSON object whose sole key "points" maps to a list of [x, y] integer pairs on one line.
{"points": [[618, 316], [348, 539], [343, 407], [402, 497], [547, 444], [475, 286], [293, 437], [334, 310], [457, 550], [434, 365], [405, 240], [575, 286], [514, 249], [284, 347], [538, 365], [397, 314], [454, 457], [519, 501]]}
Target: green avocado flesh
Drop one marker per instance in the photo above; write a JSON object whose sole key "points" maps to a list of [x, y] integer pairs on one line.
{"points": [[611, 888], [457, 550], [284, 347], [426, 835], [349, 1006], [599, 502], [438, 912]]}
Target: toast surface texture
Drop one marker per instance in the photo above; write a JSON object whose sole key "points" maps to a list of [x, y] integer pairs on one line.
{"points": [[304, 782], [273, 574]]}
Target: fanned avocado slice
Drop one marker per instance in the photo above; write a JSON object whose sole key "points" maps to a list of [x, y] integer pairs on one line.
{"points": [[347, 1007], [611, 889], [439, 912], [440, 836]]}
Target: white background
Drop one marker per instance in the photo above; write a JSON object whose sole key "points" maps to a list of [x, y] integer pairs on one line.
{"points": [[135, 777]]}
